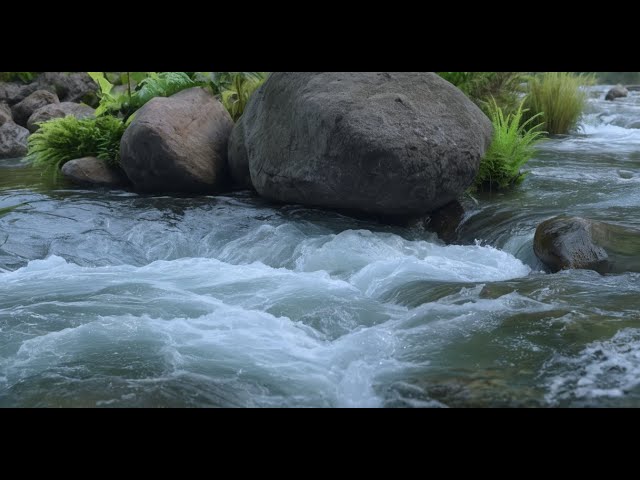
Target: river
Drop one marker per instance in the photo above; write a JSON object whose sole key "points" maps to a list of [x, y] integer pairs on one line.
{"points": [[112, 299]]}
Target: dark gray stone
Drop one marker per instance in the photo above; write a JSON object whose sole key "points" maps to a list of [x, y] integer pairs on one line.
{"points": [[574, 242], [58, 110], [444, 222], [90, 171], [13, 140], [178, 144], [23, 110], [616, 92], [5, 114], [238, 159], [390, 143], [70, 86]]}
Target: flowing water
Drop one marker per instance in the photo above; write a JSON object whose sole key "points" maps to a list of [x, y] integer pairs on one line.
{"points": [[117, 299]]}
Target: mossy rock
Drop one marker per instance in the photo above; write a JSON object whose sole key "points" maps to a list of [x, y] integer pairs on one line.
{"points": [[574, 242]]}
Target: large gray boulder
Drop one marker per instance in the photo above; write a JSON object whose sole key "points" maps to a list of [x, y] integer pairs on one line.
{"points": [[58, 110], [23, 110], [178, 144], [5, 114], [575, 242], [13, 140], [90, 171], [391, 143], [616, 92]]}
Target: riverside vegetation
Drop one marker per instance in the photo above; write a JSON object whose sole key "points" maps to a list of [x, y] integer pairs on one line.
{"points": [[64, 139], [522, 108]]}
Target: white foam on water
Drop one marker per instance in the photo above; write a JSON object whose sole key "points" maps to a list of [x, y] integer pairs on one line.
{"points": [[609, 368], [610, 132], [249, 347], [316, 334], [434, 262], [589, 175]]}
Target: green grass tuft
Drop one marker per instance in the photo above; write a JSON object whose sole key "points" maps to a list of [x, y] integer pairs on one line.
{"points": [[236, 95], [513, 145], [505, 88], [559, 96]]}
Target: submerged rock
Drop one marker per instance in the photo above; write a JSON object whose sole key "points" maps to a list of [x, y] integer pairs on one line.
{"points": [[23, 110], [90, 171], [390, 143], [58, 110], [616, 92], [574, 242], [13, 140], [178, 144], [444, 222]]}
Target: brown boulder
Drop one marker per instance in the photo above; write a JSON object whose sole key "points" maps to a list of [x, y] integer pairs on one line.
{"points": [[178, 144], [90, 171]]}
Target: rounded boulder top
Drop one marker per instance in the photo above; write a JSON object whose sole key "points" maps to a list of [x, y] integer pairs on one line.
{"points": [[391, 143]]}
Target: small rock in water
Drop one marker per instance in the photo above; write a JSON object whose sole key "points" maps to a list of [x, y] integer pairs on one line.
{"points": [[573, 242], [616, 92], [90, 171], [626, 174]]}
